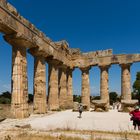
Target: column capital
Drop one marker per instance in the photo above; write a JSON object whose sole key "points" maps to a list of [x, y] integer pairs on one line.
{"points": [[61, 66], [125, 65], [18, 40], [104, 67], [70, 69], [53, 62], [85, 69]]}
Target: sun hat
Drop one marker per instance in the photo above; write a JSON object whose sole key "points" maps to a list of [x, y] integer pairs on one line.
{"points": [[136, 107]]}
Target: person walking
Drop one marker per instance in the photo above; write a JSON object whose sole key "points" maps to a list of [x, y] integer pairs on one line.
{"points": [[80, 110], [135, 117]]}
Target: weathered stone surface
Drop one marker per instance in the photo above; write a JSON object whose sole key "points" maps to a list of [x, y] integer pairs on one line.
{"points": [[19, 105], [63, 88], [26, 126], [104, 89], [69, 89], [129, 102], [39, 86], [85, 95], [128, 105], [99, 110], [20, 32], [125, 82], [75, 106], [53, 101], [100, 105]]}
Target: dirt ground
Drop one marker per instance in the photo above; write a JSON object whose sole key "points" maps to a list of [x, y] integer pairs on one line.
{"points": [[66, 125], [5, 111]]}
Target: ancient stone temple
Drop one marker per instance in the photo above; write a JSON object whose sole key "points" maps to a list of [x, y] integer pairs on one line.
{"points": [[25, 38]]}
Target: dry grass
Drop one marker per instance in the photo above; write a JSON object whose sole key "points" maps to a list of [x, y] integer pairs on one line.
{"points": [[5, 111], [68, 135], [39, 137]]}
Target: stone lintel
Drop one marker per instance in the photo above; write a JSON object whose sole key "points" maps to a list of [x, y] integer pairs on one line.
{"points": [[36, 52]]}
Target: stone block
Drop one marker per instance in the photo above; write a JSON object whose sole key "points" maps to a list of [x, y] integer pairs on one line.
{"points": [[128, 105], [100, 105], [75, 106]]}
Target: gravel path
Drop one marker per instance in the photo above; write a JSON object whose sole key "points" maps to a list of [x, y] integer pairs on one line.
{"points": [[106, 121]]}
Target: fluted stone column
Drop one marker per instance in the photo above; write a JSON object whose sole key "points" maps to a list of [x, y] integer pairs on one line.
{"points": [[19, 105], [53, 101], [125, 82], [85, 95], [104, 89], [69, 89], [39, 86], [62, 88]]}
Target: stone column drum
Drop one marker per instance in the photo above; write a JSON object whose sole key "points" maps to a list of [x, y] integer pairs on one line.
{"points": [[125, 82], [62, 88], [53, 101], [104, 89], [69, 89], [19, 104], [85, 95], [127, 103], [39, 86]]}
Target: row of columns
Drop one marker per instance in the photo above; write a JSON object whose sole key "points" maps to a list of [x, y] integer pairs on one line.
{"points": [[59, 85], [104, 88]]}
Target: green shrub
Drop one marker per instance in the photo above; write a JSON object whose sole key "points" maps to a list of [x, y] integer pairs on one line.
{"points": [[4, 100]]}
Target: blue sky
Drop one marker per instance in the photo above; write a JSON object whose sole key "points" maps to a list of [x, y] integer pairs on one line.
{"points": [[86, 24]]}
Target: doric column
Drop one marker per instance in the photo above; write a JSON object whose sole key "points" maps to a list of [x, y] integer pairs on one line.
{"points": [[39, 85], [85, 95], [62, 88], [53, 101], [125, 82], [19, 105], [69, 88], [104, 89]]}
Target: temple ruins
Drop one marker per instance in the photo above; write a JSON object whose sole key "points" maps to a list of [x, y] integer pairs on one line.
{"points": [[25, 38]]}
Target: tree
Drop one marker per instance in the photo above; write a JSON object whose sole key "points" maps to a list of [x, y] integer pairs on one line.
{"points": [[30, 98], [96, 98], [6, 94], [77, 98], [5, 98], [113, 96], [136, 85]]}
